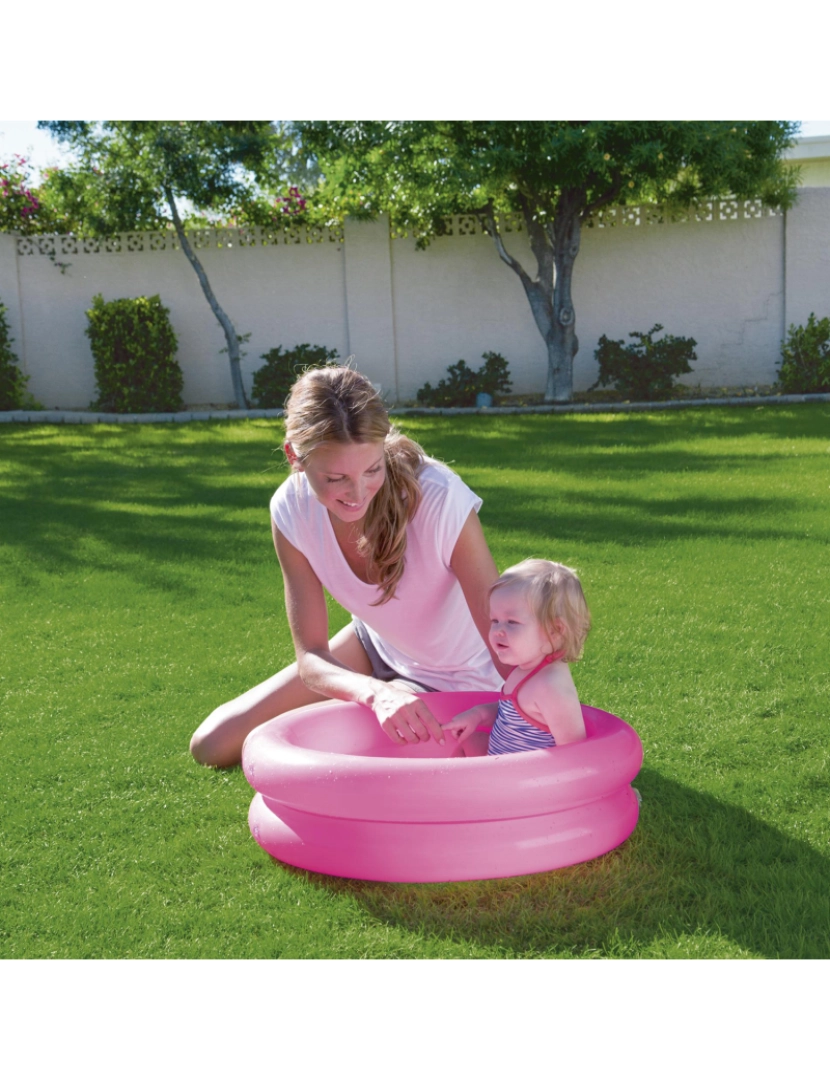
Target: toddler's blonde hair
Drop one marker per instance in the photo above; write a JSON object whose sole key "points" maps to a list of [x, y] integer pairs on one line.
{"points": [[554, 591]]}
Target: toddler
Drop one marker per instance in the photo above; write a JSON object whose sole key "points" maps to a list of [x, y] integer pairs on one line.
{"points": [[538, 624]]}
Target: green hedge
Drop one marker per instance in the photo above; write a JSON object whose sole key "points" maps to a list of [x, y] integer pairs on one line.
{"points": [[805, 358], [463, 385], [135, 356], [12, 380], [646, 369], [273, 381]]}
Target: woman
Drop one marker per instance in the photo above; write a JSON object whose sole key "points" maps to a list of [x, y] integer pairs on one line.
{"points": [[395, 538]]}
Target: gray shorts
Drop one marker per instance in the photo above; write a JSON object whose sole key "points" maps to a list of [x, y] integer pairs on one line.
{"points": [[380, 669]]}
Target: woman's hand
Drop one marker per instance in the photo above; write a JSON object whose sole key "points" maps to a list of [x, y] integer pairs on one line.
{"points": [[403, 716]]}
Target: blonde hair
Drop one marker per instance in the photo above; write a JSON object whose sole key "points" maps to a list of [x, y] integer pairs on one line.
{"points": [[339, 405], [554, 592]]}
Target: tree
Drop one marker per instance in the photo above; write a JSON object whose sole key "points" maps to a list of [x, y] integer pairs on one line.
{"points": [[133, 175], [556, 174]]}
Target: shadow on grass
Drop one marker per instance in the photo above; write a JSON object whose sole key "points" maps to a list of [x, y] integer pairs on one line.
{"points": [[697, 878], [537, 440], [136, 501], [150, 498]]}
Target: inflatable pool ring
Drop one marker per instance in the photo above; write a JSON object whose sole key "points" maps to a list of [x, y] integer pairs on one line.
{"points": [[336, 795]]}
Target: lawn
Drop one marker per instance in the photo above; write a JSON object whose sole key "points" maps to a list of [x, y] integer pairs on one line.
{"points": [[140, 588]]}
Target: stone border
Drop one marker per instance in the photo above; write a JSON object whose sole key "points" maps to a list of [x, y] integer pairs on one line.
{"points": [[59, 416], [619, 406]]}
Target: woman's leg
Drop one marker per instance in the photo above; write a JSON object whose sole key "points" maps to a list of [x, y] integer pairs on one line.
{"points": [[218, 740]]}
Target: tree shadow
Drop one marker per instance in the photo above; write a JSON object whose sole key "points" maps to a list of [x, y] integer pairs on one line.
{"points": [[697, 877], [148, 496], [123, 500], [634, 521], [635, 479]]}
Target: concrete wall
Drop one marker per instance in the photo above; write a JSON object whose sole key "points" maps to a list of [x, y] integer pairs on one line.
{"points": [[807, 257], [280, 294], [732, 276]]}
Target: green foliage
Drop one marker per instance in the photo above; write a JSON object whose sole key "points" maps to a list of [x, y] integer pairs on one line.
{"points": [[805, 358], [12, 380], [135, 355], [644, 371], [273, 381], [422, 171], [227, 171], [126, 169], [463, 384], [555, 174]]}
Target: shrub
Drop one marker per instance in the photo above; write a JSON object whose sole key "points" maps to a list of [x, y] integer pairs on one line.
{"points": [[645, 370], [12, 380], [274, 379], [805, 358], [135, 355], [463, 384], [19, 205]]}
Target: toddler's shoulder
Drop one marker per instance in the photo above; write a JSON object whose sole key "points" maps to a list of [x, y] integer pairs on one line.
{"points": [[552, 682]]}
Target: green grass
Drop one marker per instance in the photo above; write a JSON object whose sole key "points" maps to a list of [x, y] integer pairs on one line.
{"points": [[140, 588]]}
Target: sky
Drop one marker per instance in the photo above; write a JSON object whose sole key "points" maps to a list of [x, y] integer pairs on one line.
{"points": [[23, 137]]}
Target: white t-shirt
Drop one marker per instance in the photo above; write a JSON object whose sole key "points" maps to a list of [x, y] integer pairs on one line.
{"points": [[425, 632]]}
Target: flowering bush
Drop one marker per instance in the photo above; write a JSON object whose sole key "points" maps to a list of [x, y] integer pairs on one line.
{"points": [[293, 203], [19, 205]]}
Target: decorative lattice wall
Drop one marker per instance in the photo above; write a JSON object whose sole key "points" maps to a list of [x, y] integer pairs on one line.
{"points": [[706, 210], [167, 240]]}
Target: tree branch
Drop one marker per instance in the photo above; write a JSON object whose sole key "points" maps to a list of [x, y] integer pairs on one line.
{"points": [[488, 218], [541, 241], [224, 321]]}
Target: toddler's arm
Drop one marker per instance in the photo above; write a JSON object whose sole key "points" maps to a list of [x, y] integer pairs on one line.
{"points": [[562, 714], [464, 724], [551, 698]]}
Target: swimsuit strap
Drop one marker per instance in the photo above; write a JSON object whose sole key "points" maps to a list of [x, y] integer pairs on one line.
{"points": [[513, 696]]}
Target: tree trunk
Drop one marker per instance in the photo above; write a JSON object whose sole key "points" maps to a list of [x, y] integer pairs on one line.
{"points": [[563, 343], [224, 321], [555, 246]]}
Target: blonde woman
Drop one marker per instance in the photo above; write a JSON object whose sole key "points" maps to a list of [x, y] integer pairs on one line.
{"points": [[395, 538]]}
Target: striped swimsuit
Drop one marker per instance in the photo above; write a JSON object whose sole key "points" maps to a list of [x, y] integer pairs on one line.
{"points": [[514, 730]]}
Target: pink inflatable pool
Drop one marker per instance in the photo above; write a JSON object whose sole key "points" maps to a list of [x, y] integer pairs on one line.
{"points": [[335, 795]]}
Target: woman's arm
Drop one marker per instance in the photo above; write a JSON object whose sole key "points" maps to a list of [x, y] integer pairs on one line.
{"points": [[403, 716], [476, 571]]}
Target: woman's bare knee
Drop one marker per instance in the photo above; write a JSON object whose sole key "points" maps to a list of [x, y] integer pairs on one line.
{"points": [[218, 739]]}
